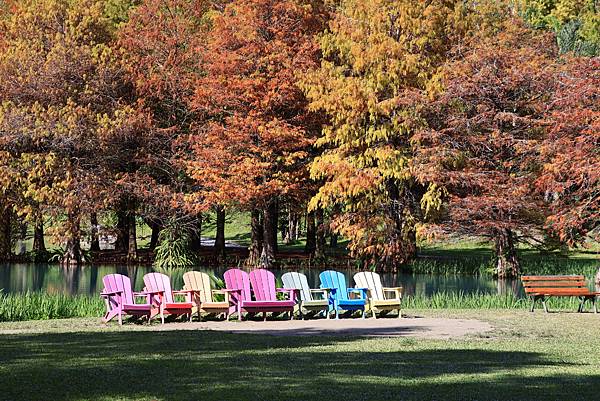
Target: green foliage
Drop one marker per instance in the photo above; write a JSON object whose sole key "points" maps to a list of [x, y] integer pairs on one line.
{"points": [[42, 306], [174, 249], [575, 22]]}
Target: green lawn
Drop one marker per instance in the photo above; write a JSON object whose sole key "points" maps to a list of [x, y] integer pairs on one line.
{"points": [[527, 357]]}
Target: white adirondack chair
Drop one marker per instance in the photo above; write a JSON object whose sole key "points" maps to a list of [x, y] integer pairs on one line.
{"points": [[311, 300], [381, 299]]}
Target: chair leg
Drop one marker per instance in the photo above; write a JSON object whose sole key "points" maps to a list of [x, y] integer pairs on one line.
{"points": [[327, 314], [364, 312], [264, 316], [120, 318], [374, 314]]}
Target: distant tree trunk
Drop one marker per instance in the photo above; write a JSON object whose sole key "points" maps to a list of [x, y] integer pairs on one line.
{"points": [[507, 264], [256, 238], [155, 231], [220, 234], [5, 234], [196, 236], [293, 230], [320, 234], [122, 242], [94, 239], [132, 238], [39, 244], [267, 257], [72, 254], [311, 232]]}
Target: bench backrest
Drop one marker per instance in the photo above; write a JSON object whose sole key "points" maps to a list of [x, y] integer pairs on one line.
{"points": [[554, 284]]}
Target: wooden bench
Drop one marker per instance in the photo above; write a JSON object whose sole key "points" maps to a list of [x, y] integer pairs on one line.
{"points": [[544, 287]]}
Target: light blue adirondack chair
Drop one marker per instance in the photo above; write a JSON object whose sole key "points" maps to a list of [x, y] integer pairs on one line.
{"points": [[341, 295]]}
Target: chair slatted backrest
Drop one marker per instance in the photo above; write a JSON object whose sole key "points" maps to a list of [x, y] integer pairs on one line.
{"points": [[263, 285], [119, 282], [372, 281], [554, 284], [198, 281], [159, 282], [236, 279], [337, 280], [298, 281]]}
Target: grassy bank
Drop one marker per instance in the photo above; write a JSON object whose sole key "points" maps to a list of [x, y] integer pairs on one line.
{"points": [[526, 357], [39, 306]]}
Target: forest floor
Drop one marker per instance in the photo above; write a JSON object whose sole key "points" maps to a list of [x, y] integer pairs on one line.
{"points": [[524, 356]]}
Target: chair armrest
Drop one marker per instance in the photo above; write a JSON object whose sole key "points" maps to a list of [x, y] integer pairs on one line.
{"points": [[323, 291], [396, 290], [106, 294], [363, 291], [153, 292], [232, 290], [185, 291], [286, 289], [223, 292]]}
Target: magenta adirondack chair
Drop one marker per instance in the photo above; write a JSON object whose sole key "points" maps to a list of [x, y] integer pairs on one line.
{"points": [[120, 298], [163, 301], [265, 293]]}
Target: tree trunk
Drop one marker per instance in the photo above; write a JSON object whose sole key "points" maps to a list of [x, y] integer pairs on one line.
{"points": [[507, 264], [220, 235], [5, 234], [94, 239], [122, 241], [155, 231], [311, 232], [256, 238], [267, 257], [196, 236], [72, 256], [320, 234], [39, 244], [132, 238]]}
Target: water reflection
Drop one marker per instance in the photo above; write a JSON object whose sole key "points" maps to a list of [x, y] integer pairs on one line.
{"points": [[88, 279]]}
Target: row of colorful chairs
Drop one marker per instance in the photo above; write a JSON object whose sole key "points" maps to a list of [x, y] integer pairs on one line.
{"points": [[251, 293]]}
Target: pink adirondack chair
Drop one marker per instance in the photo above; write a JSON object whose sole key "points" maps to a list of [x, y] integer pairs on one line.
{"points": [[163, 301], [265, 293], [120, 298]]}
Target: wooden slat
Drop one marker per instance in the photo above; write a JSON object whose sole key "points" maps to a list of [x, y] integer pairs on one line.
{"points": [[554, 284], [562, 291], [553, 278]]}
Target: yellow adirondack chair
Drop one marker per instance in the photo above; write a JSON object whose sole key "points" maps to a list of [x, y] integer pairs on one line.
{"points": [[204, 299], [381, 299]]}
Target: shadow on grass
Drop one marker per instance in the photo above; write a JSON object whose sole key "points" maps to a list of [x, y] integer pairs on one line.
{"points": [[216, 366]]}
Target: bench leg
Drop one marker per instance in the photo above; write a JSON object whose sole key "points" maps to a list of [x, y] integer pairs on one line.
{"points": [[581, 304], [544, 303], [533, 299]]}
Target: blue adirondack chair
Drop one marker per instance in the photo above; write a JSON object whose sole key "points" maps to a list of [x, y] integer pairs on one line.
{"points": [[340, 293]]}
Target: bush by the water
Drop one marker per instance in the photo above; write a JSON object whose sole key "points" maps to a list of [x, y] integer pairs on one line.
{"points": [[41, 306]]}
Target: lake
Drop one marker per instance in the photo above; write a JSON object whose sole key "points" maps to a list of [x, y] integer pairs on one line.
{"points": [[15, 278]]}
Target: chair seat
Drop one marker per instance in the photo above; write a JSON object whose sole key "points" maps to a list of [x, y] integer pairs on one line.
{"points": [[352, 302], [214, 305], [315, 303], [179, 305], [268, 304], [385, 302], [136, 307]]}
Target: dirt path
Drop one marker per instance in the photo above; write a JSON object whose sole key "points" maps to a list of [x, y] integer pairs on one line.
{"points": [[390, 327], [419, 327]]}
